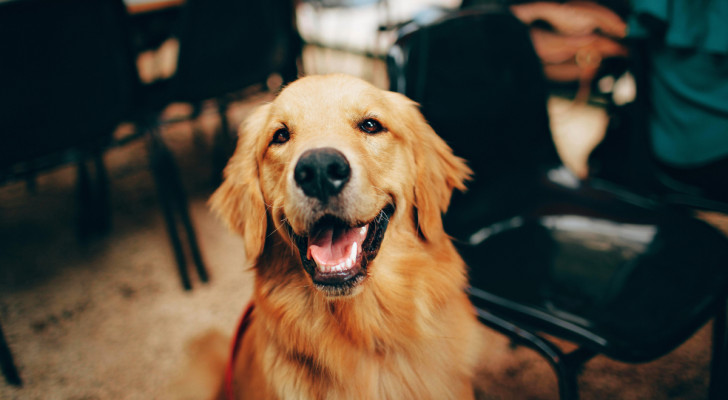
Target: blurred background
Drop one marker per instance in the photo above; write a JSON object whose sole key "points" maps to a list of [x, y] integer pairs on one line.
{"points": [[117, 118]]}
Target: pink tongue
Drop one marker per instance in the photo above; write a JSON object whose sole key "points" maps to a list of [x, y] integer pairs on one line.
{"points": [[332, 245]]}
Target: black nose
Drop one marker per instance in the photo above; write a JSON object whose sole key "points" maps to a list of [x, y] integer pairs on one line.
{"points": [[322, 173]]}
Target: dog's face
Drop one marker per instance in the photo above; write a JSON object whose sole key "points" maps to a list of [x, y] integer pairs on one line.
{"points": [[331, 163]]}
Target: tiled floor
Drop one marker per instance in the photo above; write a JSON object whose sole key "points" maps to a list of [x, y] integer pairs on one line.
{"points": [[107, 318]]}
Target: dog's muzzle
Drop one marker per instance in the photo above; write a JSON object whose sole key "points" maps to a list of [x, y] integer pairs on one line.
{"points": [[337, 254]]}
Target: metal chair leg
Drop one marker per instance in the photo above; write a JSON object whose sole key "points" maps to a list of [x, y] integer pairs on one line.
{"points": [[566, 366], [94, 210], [84, 201], [160, 160], [198, 134], [223, 143], [192, 240], [173, 200], [181, 205], [719, 362], [102, 203], [7, 364]]}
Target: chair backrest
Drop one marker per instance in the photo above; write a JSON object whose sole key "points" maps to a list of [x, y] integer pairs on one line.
{"points": [[67, 77], [227, 45], [481, 87]]}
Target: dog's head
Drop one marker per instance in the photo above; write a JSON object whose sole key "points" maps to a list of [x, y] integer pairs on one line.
{"points": [[329, 165]]}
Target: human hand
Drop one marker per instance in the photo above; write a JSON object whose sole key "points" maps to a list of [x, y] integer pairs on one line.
{"points": [[574, 18]]}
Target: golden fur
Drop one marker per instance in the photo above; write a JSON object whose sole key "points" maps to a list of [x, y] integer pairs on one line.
{"points": [[408, 331]]}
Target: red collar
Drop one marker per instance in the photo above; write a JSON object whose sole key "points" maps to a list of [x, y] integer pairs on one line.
{"points": [[237, 341]]}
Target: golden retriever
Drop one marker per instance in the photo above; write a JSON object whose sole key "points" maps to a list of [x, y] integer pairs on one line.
{"points": [[338, 189]]}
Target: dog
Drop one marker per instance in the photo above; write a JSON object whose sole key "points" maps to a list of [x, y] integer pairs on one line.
{"points": [[338, 189]]}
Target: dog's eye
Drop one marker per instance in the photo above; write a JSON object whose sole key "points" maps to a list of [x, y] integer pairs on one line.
{"points": [[281, 136], [371, 126]]}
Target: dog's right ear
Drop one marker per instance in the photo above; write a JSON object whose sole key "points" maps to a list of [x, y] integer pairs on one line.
{"points": [[437, 170], [239, 200]]}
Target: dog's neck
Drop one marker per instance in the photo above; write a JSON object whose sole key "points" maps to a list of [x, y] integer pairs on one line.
{"points": [[387, 310], [412, 299]]}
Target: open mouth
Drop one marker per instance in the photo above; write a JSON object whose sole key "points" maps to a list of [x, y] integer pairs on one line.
{"points": [[336, 255]]}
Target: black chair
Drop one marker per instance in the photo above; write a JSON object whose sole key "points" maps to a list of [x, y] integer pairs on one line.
{"points": [[7, 365], [611, 271], [65, 87], [67, 81], [228, 45], [225, 46], [69, 78]]}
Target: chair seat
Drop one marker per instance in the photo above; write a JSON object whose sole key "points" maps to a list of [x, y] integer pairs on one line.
{"points": [[620, 275]]}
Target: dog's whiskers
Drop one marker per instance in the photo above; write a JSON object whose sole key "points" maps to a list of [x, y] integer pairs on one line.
{"points": [[271, 206], [283, 224], [383, 216], [379, 189]]}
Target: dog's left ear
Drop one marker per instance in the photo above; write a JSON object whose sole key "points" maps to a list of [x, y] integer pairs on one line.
{"points": [[239, 200], [438, 170]]}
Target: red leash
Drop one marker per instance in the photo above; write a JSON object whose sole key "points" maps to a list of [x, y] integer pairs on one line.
{"points": [[237, 341]]}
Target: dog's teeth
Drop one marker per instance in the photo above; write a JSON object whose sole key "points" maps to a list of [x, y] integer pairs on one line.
{"points": [[344, 265], [363, 230], [352, 252]]}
